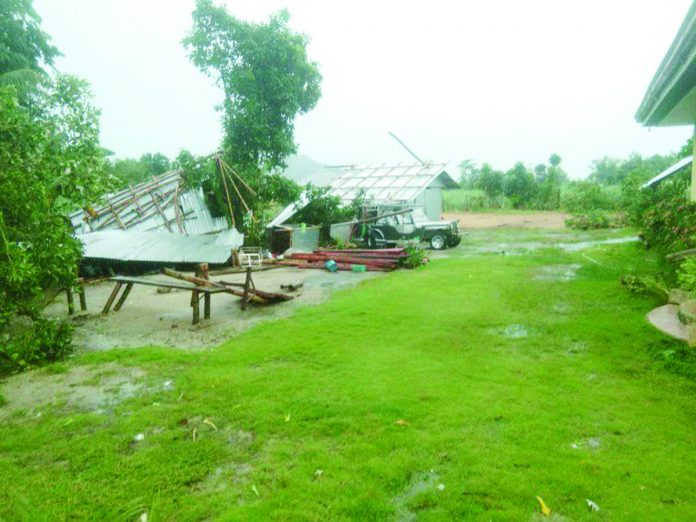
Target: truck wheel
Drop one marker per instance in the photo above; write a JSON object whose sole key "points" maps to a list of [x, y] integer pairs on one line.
{"points": [[437, 242]]}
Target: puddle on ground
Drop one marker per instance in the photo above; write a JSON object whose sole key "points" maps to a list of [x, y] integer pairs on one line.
{"points": [[591, 443], [86, 388], [223, 477], [558, 273], [576, 348], [425, 482], [511, 248], [511, 331], [561, 308]]}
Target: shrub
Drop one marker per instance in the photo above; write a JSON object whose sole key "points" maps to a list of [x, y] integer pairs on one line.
{"points": [[667, 217], [589, 220], [26, 343], [415, 256], [584, 196], [686, 275], [467, 200]]}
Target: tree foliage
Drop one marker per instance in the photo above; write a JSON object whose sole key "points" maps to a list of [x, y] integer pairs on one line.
{"points": [[25, 50], [267, 79], [50, 161], [519, 186], [129, 171], [491, 182]]}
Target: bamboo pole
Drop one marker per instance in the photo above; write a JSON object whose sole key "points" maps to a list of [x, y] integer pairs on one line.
{"points": [[227, 193], [212, 284]]}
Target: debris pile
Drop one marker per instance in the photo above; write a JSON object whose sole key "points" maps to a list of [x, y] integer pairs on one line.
{"points": [[381, 260]]}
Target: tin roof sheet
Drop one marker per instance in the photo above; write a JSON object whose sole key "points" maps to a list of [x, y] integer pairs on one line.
{"points": [[158, 246], [389, 184], [669, 171], [159, 203]]}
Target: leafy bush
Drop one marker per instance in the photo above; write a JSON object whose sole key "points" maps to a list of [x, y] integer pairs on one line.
{"points": [[415, 256], [667, 217], [645, 285], [582, 196], [323, 209], [26, 343], [588, 220], [686, 275]]}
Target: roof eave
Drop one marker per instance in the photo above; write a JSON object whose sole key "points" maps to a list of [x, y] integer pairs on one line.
{"points": [[673, 75]]}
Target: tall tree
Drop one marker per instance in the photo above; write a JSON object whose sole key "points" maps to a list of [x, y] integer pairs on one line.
{"points": [[491, 182], [50, 162], [25, 50], [519, 186], [469, 173], [267, 78]]}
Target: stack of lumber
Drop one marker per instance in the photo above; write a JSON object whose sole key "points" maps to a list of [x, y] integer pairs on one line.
{"points": [[380, 260]]}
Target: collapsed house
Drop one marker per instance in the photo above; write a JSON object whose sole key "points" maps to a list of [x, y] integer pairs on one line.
{"points": [[156, 221], [417, 185]]}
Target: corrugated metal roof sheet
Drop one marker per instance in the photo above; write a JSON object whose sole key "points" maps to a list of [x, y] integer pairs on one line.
{"points": [[382, 185], [152, 205], [668, 172], [164, 247], [389, 184]]}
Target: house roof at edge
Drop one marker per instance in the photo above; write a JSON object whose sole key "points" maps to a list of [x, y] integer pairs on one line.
{"points": [[671, 96]]}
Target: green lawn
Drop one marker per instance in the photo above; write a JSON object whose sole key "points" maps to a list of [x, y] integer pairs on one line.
{"points": [[510, 380]]}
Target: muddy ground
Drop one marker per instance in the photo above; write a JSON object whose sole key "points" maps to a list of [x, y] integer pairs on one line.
{"points": [[152, 318], [548, 220]]}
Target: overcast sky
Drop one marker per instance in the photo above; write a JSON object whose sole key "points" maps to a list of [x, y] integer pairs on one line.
{"points": [[496, 81]]}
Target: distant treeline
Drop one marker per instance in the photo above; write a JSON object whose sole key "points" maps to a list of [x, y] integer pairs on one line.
{"points": [[611, 186]]}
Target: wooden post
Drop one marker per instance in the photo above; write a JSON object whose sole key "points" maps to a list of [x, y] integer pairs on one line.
{"points": [[247, 285], [693, 168], [111, 298], [71, 303], [202, 272], [195, 303], [83, 297], [123, 297]]}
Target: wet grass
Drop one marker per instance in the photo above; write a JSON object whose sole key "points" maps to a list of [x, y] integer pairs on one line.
{"points": [[461, 390]]}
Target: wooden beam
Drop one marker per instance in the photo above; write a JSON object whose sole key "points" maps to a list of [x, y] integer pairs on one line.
{"points": [[71, 303], [123, 297], [111, 298], [160, 211], [227, 193]]}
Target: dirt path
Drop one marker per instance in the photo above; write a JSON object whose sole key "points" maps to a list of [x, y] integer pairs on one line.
{"points": [[164, 319], [548, 220]]}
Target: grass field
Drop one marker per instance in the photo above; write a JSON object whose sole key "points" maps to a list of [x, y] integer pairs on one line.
{"points": [[461, 390]]}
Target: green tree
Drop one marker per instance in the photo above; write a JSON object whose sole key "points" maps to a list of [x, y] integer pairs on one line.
{"points": [[491, 182], [50, 162], [519, 186], [156, 163], [25, 50], [540, 172], [468, 174], [267, 79], [130, 171]]}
